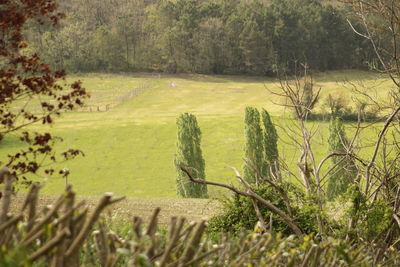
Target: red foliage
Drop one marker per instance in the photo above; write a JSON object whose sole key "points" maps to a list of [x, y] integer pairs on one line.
{"points": [[24, 79]]}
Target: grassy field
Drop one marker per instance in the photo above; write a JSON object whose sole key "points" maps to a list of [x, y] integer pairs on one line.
{"points": [[128, 130]]}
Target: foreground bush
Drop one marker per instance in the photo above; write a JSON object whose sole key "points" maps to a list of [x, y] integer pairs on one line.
{"points": [[239, 213], [65, 234]]}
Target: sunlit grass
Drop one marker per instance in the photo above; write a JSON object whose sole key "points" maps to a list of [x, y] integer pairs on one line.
{"points": [[130, 148]]}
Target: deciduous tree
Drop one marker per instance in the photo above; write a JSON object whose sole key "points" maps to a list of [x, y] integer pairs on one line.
{"points": [[253, 148], [189, 154], [270, 144], [30, 92], [343, 169]]}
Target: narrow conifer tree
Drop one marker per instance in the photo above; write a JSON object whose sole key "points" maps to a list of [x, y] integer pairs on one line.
{"points": [[270, 145], [344, 170], [253, 144], [189, 154]]}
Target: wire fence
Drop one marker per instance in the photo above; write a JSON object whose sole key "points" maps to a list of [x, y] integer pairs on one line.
{"points": [[117, 100]]}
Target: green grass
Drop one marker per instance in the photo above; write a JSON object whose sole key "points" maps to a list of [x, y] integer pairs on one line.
{"points": [[130, 148]]}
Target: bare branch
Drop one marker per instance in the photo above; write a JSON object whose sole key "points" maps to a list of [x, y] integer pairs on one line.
{"points": [[290, 222]]}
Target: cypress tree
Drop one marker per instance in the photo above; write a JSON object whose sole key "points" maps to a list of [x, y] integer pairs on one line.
{"points": [[189, 154], [253, 144], [344, 170], [270, 145]]}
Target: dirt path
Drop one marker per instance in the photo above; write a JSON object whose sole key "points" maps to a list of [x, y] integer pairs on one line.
{"points": [[191, 209]]}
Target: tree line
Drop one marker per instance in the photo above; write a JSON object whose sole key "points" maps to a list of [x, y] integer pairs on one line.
{"points": [[257, 37]]}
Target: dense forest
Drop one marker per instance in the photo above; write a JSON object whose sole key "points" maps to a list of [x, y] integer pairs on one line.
{"points": [[202, 36]]}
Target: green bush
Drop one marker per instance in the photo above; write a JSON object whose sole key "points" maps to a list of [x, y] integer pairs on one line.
{"points": [[374, 220], [370, 218], [239, 213]]}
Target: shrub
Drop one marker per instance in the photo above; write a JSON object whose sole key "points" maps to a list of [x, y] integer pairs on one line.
{"points": [[338, 107], [370, 217], [239, 214], [344, 170]]}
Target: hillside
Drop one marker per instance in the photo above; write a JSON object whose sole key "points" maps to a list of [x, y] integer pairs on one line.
{"points": [[130, 142]]}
